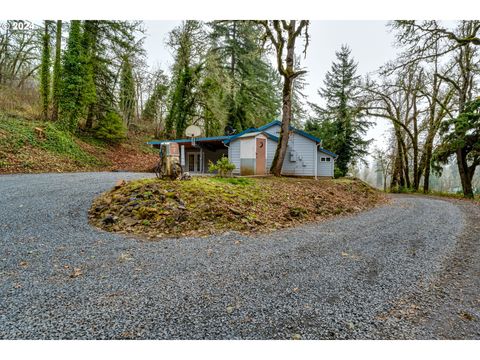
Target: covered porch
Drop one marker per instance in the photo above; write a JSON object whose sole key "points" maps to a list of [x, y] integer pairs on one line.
{"points": [[195, 155]]}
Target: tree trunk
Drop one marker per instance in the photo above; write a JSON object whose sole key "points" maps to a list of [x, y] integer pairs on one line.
{"points": [[45, 71], [288, 77], [89, 121], [464, 172], [277, 162], [56, 70], [426, 178]]}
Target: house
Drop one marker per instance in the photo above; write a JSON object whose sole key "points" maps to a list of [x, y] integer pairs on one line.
{"points": [[252, 152]]}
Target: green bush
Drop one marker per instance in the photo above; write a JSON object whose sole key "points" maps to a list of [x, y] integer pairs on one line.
{"points": [[223, 167], [111, 128], [337, 173]]}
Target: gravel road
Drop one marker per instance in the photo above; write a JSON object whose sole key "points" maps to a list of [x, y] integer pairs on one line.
{"points": [[409, 269]]}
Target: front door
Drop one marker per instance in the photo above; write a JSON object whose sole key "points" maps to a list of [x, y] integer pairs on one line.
{"points": [[193, 162], [260, 156]]}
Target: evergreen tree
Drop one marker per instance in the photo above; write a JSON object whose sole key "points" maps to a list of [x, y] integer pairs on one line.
{"points": [[250, 83], [186, 40], [57, 70], [45, 70], [340, 124], [127, 92], [213, 97], [73, 94], [105, 44], [461, 134]]}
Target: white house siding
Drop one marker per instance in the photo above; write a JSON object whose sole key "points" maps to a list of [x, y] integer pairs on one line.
{"points": [[304, 155], [274, 130], [271, 148], [234, 155], [324, 168]]}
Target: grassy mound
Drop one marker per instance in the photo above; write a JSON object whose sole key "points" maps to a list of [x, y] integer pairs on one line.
{"points": [[204, 206]]}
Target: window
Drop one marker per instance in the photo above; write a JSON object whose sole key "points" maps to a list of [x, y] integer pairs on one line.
{"points": [[328, 159], [322, 159]]}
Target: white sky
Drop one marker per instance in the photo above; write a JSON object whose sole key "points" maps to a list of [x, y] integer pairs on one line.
{"points": [[370, 41]]}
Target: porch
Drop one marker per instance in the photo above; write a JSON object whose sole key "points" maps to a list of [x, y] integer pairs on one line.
{"points": [[196, 155]]}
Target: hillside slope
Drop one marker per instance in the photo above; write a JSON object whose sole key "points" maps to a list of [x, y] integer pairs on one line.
{"points": [[33, 146]]}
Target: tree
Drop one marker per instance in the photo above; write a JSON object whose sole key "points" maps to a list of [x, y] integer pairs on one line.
{"points": [[73, 95], [429, 40], [283, 33], [213, 96], [155, 106], [299, 98], [111, 128], [462, 135], [186, 40], [20, 55], [57, 70], [105, 44], [127, 92], [344, 125], [383, 164], [45, 70], [247, 81]]}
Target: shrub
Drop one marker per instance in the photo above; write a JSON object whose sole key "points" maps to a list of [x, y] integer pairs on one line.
{"points": [[337, 173], [223, 167], [111, 128]]}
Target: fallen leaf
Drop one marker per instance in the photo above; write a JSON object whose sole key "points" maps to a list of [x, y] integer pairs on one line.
{"points": [[76, 272], [296, 337], [230, 309], [23, 263], [125, 257]]}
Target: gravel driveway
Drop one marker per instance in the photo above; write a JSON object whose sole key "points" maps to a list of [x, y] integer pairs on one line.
{"points": [[405, 270]]}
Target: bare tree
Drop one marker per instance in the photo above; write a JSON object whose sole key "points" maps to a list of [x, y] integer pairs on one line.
{"points": [[283, 34]]}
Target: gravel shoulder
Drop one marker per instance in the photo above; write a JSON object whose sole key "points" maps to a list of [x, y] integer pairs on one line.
{"points": [[350, 278]]}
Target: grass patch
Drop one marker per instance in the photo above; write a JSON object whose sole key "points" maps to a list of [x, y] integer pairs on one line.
{"points": [[235, 181], [209, 205]]}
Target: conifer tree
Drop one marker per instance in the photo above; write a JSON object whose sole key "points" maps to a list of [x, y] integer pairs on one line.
{"points": [[340, 124], [186, 40], [127, 92], [45, 70], [105, 43], [250, 83]]}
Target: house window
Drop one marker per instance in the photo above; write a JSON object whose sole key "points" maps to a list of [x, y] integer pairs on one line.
{"points": [[322, 159], [328, 159]]}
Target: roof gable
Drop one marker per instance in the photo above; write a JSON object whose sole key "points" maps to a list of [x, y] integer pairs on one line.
{"points": [[295, 130]]}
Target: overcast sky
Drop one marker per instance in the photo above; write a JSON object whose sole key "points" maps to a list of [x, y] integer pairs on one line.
{"points": [[370, 41]]}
